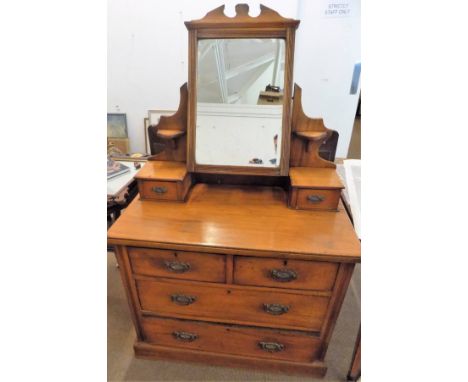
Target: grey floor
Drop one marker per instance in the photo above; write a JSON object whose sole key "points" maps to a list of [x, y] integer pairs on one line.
{"points": [[354, 151], [123, 366]]}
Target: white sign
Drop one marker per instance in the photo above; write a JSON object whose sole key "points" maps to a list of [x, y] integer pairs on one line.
{"points": [[337, 8]]}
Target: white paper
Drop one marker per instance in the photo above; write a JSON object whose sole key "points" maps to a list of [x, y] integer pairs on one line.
{"points": [[117, 184], [337, 8], [353, 182]]}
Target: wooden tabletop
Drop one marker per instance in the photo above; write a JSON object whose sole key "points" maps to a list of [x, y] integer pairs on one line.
{"points": [[238, 220]]}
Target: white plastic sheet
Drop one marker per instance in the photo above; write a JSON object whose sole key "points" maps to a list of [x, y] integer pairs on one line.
{"points": [[352, 170]]}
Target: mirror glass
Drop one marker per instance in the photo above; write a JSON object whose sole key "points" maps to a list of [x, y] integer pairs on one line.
{"points": [[239, 102]]}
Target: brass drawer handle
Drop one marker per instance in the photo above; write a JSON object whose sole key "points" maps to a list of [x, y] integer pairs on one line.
{"points": [[271, 347], [185, 336], [159, 190], [177, 267], [315, 198], [181, 299], [283, 275], [276, 309]]}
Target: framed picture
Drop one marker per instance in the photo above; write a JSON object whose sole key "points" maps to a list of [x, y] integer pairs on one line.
{"points": [[145, 134], [117, 125], [121, 144], [153, 119], [154, 115]]}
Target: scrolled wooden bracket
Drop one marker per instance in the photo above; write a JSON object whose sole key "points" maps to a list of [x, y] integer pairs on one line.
{"points": [[171, 133], [307, 136]]}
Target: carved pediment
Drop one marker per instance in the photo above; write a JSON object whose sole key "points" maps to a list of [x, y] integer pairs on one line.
{"points": [[217, 19]]}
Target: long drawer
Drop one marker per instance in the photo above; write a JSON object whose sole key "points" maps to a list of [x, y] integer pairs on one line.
{"points": [[231, 339], [232, 304], [178, 264], [279, 273]]}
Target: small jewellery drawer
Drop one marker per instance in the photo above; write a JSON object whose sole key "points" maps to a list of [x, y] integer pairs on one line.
{"points": [[163, 180], [178, 264], [158, 190], [293, 274], [232, 304], [231, 339], [317, 199], [314, 188]]}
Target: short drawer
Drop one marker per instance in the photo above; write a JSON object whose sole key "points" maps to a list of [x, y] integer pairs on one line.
{"points": [[158, 190], [232, 304], [315, 199], [178, 264], [231, 339], [278, 273]]}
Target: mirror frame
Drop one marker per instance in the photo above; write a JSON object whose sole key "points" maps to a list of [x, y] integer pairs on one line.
{"points": [[216, 25]]}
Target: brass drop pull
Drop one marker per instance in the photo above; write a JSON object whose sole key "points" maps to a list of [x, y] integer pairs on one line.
{"points": [[271, 347], [283, 275], [159, 190], [315, 198], [276, 309], [181, 299], [177, 267], [185, 336]]}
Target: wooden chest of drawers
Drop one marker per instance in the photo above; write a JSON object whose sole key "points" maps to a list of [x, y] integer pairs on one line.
{"points": [[228, 285]]}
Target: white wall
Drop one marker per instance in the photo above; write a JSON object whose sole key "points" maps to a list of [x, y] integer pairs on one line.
{"points": [[326, 51], [148, 49]]}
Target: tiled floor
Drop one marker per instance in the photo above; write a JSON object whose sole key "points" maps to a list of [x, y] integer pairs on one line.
{"points": [[123, 366]]}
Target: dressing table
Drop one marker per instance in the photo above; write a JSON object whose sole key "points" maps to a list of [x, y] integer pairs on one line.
{"points": [[238, 251]]}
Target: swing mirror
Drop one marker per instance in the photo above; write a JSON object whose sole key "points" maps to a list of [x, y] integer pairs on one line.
{"points": [[240, 79], [239, 108]]}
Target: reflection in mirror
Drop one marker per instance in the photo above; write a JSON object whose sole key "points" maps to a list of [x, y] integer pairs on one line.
{"points": [[239, 102]]}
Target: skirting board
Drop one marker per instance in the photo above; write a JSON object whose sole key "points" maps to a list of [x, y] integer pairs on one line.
{"points": [[155, 352]]}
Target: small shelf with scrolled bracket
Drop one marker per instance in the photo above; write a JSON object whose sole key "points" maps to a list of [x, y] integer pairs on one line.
{"points": [[307, 136], [170, 135], [311, 136], [168, 138]]}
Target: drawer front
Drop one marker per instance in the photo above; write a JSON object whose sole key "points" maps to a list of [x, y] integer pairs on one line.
{"points": [[293, 274], [231, 339], [178, 264], [310, 199], [157, 190], [248, 306]]}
